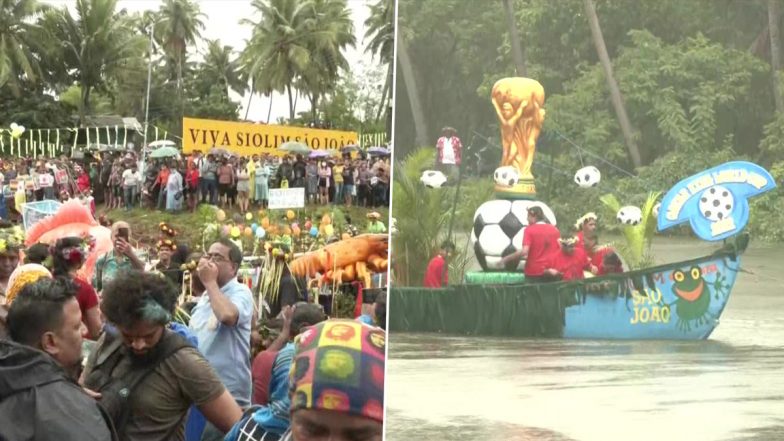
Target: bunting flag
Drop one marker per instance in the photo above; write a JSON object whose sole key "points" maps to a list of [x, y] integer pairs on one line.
{"points": [[116, 136], [57, 140], [87, 131], [76, 138], [108, 136], [49, 143], [27, 147], [156, 134], [125, 137], [97, 137], [39, 145]]}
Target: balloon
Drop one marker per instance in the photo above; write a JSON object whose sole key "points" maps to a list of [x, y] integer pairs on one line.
{"points": [[326, 220], [313, 231], [329, 230], [295, 229], [290, 214], [265, 222], [254, 226], [221, 215], [248, 216], [248, 231], [235, 231], [225, 230], [14, 126], [294, 224], [308, 224], [260, 233], [261, 213]]}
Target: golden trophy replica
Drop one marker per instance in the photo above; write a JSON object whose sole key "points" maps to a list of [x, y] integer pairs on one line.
{"points": [[518, 103]]}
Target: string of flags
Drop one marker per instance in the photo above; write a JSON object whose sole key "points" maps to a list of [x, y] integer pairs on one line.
{"points": [[51, 142]]}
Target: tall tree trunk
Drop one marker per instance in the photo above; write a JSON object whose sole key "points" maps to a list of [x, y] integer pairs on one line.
{"points": [[269, 111], [775, 52], [247, 109], [314, 106], [383, 103], [517, 51], [291, 103], [85, 92], [615, 91], [407, 70]]}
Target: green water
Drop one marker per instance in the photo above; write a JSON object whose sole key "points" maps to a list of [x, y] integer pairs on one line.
{"points": [[730, 387]]}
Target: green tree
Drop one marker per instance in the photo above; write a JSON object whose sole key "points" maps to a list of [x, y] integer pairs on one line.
{"points": [[179, 24], [381, 32], [221, 68], [93, 45], [19, 43]]}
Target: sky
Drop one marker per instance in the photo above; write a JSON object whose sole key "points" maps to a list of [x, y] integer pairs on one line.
{"points": [[222, 22]]}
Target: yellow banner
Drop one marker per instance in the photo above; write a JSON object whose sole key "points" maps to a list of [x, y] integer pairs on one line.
{"points": [[247, 139]]}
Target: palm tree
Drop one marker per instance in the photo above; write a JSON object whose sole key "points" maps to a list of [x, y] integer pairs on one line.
{"points": [[179, 24], [19, 41], [514, 37], [278, 50], [93, 45], [381, 32], [220, 68], [332, 32], [615, 91], [775, 52]]}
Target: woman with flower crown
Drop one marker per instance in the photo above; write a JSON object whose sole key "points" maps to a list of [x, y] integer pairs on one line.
{"points": [[68, 255], [11, 243]]}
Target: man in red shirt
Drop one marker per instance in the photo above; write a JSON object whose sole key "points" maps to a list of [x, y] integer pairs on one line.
{"points": [[540, 241], [436, 275], [568, 263]]}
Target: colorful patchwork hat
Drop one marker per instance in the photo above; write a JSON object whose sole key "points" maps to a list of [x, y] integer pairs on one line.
{"points": [[339, 366], [22, 276]]}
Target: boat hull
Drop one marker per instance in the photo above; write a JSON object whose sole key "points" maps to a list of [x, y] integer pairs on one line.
{"points": [[680, 301]]}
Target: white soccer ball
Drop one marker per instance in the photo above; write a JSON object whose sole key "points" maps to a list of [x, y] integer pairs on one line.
{"points": [[716, 203], [499, 228], [588, 177], [433, 178], [629, 215], [506, 176]]}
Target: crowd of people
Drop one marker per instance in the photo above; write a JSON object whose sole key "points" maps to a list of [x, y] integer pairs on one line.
{"points": [[220, 373]]}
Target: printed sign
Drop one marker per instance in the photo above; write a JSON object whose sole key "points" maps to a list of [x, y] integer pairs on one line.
{"points": [[715, 201], [247, 139], [286, 198], [61, 177]]}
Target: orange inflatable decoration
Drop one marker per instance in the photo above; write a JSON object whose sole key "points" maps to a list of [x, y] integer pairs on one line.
{"points": [[73, 219], [345, 261]]}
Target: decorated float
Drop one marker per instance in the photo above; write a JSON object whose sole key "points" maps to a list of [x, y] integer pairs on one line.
{"points": [[679, 300], [330, 263]]}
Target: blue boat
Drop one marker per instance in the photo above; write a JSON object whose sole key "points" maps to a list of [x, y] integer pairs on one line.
{"points": [[676, 301]]}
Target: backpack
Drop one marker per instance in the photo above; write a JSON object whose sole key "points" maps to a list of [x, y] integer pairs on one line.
{"points": [[116, 392]]}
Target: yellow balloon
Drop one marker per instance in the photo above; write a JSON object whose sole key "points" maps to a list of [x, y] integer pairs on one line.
{"points": [[235, 231], [221, 215], [326, 220], [248, 231], [290, 214], [265, 223], [248, 216], [329, 230]]}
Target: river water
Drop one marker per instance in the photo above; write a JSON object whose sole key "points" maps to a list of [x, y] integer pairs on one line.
{"points": [[730, 387]]}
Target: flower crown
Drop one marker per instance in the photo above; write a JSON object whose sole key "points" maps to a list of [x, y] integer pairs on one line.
{"points": [[189, 266], [11, 238], [166, 229], [77, 253], [166, 243]]}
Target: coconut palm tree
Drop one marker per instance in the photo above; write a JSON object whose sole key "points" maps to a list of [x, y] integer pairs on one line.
{"points": [[381, 32], [20, 37], [333, 32], [93, 45], [219, 67], [179, 24], [278, 50]]}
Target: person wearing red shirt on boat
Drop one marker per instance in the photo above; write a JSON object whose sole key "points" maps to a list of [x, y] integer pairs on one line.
{"points": [[569, 262], [540, 241], [437, 273]]}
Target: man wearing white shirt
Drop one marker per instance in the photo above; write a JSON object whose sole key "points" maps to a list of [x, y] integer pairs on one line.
{"points": [[130, 180], [448, 151]]}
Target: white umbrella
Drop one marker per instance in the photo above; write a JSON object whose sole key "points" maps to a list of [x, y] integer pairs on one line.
{"points": [[162, 143]]}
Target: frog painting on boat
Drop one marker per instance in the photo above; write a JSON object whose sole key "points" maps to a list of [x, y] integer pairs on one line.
{"points": [[693, 296]]}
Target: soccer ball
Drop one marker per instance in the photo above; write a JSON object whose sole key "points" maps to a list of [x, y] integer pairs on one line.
{"points": [[629, 215], [506, 176], [499, 227], [716, 203], [433, 178], [588, 177]]}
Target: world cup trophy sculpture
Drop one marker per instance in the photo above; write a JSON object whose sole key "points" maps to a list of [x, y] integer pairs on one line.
{"points": [[499, 224], [518, 103]]}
